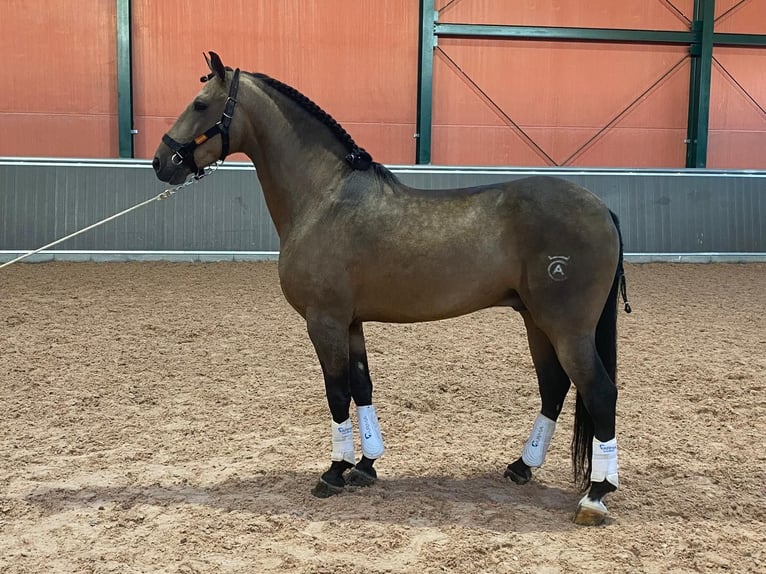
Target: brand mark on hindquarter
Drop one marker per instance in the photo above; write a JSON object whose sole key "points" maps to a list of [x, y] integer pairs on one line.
{"points": [[557, 267]]}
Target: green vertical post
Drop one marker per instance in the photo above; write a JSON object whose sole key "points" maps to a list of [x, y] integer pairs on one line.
{"points": [[426, 45], [124, 79], [699, 85]]}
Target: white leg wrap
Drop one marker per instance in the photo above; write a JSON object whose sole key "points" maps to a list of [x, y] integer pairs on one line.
{"points": [[369, 431], [343, 441], [538, 442], [604, 463]]}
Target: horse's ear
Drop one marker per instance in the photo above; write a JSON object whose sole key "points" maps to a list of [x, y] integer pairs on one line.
{"points": [[216, 65]]}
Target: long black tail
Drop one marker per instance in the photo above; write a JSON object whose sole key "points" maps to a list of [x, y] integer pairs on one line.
{"points": [[606, 345]]}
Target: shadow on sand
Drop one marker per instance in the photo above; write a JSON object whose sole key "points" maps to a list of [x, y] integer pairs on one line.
{"points": [[483, 501]]}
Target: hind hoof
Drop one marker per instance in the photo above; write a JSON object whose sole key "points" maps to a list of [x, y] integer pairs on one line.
{"points": [[358, 477], [324, 489], [590, 512]]}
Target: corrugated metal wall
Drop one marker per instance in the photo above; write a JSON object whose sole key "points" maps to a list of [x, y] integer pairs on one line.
{"points": [[59, 90], [661, 212], [561, 103], [359, 61], [52, 200], [737, 138]]}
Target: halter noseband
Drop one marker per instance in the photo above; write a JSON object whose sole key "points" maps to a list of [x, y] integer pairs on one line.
{"points": [[184, 153]]}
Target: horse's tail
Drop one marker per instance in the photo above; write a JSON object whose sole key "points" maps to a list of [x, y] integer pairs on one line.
{"points": [[606, 345]]}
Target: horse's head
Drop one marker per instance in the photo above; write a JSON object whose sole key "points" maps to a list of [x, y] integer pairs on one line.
{"points": [[204, 132]]}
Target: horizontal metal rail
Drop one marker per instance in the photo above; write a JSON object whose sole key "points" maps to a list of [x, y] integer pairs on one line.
{"points": [[405, 168], [564, 33]]}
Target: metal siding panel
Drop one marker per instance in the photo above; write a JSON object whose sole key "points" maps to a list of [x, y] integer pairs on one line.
{"points": [[477, 98], [358, 60], [737, 104], [67, 106], [744, 18], [660, 212]]}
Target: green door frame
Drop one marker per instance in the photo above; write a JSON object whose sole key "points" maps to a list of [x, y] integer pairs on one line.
{"points": [[701, 39]]}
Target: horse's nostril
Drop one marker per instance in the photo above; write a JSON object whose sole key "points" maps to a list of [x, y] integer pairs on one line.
{"points": [[156, 164]]}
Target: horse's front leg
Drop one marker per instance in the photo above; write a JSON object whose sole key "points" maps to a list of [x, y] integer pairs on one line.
{"points": [[370, 437], [330, 337]]}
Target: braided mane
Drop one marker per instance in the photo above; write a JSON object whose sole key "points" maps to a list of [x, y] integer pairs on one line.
{"points": [[357, 156]]}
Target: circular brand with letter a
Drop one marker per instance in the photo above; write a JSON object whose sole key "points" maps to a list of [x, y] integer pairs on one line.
{"points": [[557, 267]]}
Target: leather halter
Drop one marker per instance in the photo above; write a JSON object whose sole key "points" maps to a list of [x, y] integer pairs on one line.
{"points": [[184, 153]]}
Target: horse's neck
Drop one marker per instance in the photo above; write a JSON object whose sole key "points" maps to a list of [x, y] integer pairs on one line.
{"points": [[295, 158]]}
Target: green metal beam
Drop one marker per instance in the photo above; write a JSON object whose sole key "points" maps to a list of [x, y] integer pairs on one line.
{"points": [[426, 45], [561, 33], [699, 84], [124, 79], [753, 40]]}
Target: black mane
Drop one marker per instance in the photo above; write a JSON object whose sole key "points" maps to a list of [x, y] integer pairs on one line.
{"points": [[357, 157]]}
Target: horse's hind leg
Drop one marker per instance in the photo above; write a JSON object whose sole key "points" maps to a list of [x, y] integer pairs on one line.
{"points": [[554, 384], [363, 474], [594, 424]]}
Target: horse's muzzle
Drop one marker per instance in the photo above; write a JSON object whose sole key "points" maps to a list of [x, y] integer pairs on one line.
{"points": [[169, 172]]}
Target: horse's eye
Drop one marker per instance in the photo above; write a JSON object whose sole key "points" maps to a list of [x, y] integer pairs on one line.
{"points": [[200, 106]]}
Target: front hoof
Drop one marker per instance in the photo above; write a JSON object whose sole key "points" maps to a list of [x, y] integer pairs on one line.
{"points": [[324, 489], [518, 472], [590, 512], [357, 477]]}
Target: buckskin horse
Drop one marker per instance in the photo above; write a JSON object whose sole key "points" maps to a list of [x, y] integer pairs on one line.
{"points": [[357, 245]]}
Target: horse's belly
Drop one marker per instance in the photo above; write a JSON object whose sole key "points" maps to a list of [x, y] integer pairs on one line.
{"points": [[430, 298]]}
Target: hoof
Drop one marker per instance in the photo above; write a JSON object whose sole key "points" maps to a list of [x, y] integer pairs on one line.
{"points": [[518, 472], [358, 477], [324, 489], [590, 512]]}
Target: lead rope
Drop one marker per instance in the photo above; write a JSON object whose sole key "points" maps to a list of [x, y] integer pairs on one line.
{"points": [[159, 197]]}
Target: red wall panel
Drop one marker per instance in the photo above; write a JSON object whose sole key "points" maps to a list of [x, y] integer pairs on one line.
{"points": [[357, 60], [60, 88], [737, 137], [575, 101], [581, 104], [740, 16]]}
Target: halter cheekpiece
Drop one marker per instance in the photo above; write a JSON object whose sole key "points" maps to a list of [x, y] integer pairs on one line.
{"points": [[184, 153]]}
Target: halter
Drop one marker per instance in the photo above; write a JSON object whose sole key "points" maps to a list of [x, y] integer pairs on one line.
{"points": [[184, 153]]}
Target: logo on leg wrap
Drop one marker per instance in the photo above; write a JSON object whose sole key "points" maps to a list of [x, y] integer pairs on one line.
{"points": [[604, 463], [369, 432], [343, 441], [536, 447]]}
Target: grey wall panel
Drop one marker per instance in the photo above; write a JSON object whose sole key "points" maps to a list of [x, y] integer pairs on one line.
{"points": [[42, 200], [41, 203]]}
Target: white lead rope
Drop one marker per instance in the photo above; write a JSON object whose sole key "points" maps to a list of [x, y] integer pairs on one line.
{"points": [[159, 197]]}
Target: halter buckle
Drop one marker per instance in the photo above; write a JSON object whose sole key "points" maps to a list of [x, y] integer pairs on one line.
{"points": [[177, 159]]}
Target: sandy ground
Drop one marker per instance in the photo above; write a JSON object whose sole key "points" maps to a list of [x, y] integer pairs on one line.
{"points": [[160, 417]]}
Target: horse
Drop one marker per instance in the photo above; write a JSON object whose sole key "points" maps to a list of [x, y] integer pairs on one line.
{"points": [[357, 245]]}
